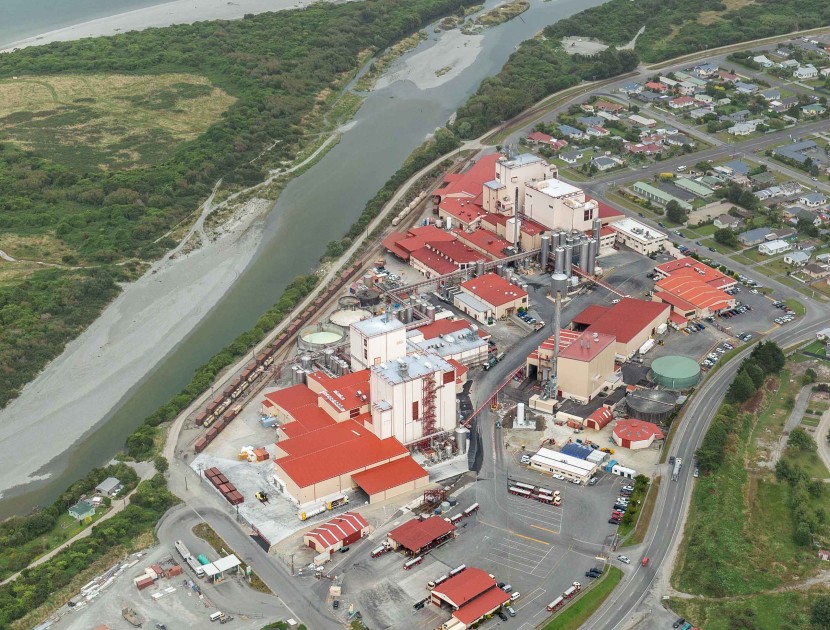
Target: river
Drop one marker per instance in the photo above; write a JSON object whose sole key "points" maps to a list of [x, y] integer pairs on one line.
{"points": [[314, 209]]}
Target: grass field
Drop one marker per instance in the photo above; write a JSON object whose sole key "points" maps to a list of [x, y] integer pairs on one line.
{"points": [[641, 529], [578, 613], [108, 121], [797, 306]]}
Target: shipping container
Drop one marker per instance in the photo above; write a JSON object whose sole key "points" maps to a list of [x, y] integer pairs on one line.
{"points": [[173, 571]]}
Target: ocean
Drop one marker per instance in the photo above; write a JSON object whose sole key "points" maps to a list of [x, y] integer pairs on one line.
{"points": [[20, 19]]}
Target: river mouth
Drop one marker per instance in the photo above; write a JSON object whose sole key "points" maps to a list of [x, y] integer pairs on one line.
{"points": [[224, 290]]}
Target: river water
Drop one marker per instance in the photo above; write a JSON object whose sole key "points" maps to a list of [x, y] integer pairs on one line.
{"points": [[315, 208]]}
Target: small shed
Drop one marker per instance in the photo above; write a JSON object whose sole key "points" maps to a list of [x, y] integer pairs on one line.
{"points": [[109, 487]]}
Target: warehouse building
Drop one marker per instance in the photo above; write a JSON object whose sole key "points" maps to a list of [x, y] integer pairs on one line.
{"points": [[452, 339], [660, 197], [472, 594], [638, 236], [490, 297], [691, 297], [417, 536], [599, 419], [339, 532], [572, 468], [632, 322], [636, 434], [688, 267]]}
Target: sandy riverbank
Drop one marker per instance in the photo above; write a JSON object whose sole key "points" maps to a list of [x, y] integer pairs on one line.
{"points": [[176, 12], [134, 333]]}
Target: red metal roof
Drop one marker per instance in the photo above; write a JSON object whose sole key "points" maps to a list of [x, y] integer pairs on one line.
{"points": [[590, 314], [343, 389], [601, 416], [303, 438], [388, 476], [437, 263], [538, 136], [462, 209], [691, 268], [337, 529], [626, 319], [415, 534], [472, 181], [528, 226], [336, 452], [678, 319], [637, 430], [457, 252], [460, 370], [494, 289], [403, 244], [605, 211], [447, 326], [489, 241], [466, 586], [291, 397], [588, 347], [482, 605], [694, 291]]}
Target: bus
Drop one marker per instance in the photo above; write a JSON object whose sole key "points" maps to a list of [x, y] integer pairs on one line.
{"points": [[521, 492], [471, 510], [380, 551], [412, 563], [556, 604], [572, 590], [676, 472], [524, 486], [457, 570]]}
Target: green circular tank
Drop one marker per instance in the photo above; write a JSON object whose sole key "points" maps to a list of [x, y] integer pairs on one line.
{"points": [[675, 372]]}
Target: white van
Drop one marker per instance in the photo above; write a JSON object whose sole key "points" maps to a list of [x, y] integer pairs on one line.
{"points": [[217, 615]]}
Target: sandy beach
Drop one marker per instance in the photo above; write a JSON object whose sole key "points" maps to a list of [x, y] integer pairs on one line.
{"points": [[176, 12]]}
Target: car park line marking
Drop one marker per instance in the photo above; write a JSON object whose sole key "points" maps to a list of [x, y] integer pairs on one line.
{"points": [[510, 531], [541, 542], [545, 529]]}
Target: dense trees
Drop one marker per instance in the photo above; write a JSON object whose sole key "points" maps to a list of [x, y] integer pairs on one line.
{"points": [[675, 213], [674, 27], [727, 237], [277, 66]]}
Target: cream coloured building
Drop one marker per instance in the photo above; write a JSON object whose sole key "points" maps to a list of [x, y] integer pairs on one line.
{"points": [[558, 205], [506, 192], [586, 365], [376, 340]]}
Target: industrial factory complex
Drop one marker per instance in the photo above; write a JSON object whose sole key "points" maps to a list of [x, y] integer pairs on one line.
{"points": [[515, 306]]}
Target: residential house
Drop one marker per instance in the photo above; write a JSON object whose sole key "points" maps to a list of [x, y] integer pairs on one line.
{"points": [[642, 149], [597, 131], [790, 64], [762, 179], [782, 105], [754, 237], [780, 234], [728, 77], [678, 140], [655, 86], [701, 112], [825, 72], [571, 157], [537, 137], [727, 221], [681, 102], [642, 121], [813, 200], [795, 151], [589, 121], [705, 70], [702, 97], [773, 248], [82, 511], [605, 163], [647, 96], [571, 132], [631, 88], [817, 270], [745, 128], [763, 61], [739, 116], [806, 72], [607, 106], [667, 81], [745, 88], [771, 94], [813, 109], [796, 259]]}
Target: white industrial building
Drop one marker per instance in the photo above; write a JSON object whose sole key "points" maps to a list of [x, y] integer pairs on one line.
{"points": [[570, 467], [376, 340], [558, 205], [638, 236], [412, 396], [774, 247], [465, 345], [507, 191]]}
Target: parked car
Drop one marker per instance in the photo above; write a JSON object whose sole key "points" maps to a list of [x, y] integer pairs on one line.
{"points": [[614, 521], [593, 481], [502, 616], [510, 611], [678, 623], [507, 588], [624, 559], [559, 477], [515, 596], [697, 472]]}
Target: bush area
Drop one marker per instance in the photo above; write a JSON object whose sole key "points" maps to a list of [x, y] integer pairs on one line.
{"points": [[283, 70], [34, 586], [635, 505], [25, 538], [679, 27], [750, 531], [538, 68]]}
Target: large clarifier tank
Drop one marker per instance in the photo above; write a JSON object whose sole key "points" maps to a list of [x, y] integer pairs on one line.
{"points": [[345, 317], [545, 251], [559, 260], [318, 337]]}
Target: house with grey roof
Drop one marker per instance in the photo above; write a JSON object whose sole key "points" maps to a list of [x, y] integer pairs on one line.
{"points": [[795, 150], [605, 163], [109, 487], [571, 157], [571, 132], [754, 237], [813, 200]]}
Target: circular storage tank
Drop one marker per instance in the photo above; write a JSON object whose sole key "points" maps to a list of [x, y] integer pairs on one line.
{"points": [[348, 301], [347, 316], [675, 372], [651, 405], [320, 336]]}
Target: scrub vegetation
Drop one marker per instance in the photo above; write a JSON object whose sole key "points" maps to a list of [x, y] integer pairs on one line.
{"points": [[581, 610], [754, 526], [83, 127]]}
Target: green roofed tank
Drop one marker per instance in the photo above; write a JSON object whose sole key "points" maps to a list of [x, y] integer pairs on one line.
{"points": [[675, 372]]}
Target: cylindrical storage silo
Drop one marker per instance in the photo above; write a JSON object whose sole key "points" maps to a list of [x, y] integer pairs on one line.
{"points": [[480, 267], [561, 238], [430, 312], [545, 253], [569, 257], [328, 357], [305, 361], [583, 254], [569, 240], [296, 376], [461, 439], [592, 256], [559, 262], [500, 270], [597, 226], [558, 283]]}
